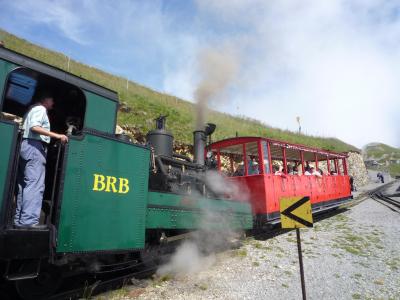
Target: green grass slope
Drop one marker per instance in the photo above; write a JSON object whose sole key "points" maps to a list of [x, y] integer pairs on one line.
{"points": [[143, 105], [387, 157]]}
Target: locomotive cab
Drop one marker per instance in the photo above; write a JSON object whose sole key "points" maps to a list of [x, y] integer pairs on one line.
{"points": [[21, 90], [87, 113]]}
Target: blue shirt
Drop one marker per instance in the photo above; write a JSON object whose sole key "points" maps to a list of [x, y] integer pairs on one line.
{"points": [[37, 116], [253, 168]]}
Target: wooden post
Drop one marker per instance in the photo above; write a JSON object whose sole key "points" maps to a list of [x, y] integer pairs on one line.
{"points": [[303, 284]]}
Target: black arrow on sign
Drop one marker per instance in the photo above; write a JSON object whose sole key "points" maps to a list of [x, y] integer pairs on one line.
{"points": [[288, 212]]}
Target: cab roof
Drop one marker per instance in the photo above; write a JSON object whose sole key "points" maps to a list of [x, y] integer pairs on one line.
{"points": [[36, 65]]}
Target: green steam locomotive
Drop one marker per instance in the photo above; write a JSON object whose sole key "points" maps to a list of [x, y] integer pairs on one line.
{"points": [[107, 200]]}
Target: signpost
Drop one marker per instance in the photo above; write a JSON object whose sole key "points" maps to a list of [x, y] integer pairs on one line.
{"points": [[296, 213]]}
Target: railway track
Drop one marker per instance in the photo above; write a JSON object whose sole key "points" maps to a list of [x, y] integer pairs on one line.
{"points": [[82, 286], [385, 199], [102, 285]]}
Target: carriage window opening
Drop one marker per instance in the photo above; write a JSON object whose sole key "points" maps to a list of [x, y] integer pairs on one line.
{"points": [[340, 167], [252, 159], [264, 146], [293, 160], [231, 160], [22, 90], [323, 167], [334, 167], [276, 157], [226, 163]]}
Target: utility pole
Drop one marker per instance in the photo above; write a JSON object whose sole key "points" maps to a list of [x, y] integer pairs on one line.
{"points": [[298, 121], [68, 61]]}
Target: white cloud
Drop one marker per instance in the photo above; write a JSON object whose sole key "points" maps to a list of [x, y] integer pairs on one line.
{"points": [[334, 63], [62, 15]]}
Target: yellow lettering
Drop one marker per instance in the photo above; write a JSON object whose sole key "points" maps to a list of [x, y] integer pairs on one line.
{"points": [[111, 181], [98, 183], [110, 184], [123, 186]]}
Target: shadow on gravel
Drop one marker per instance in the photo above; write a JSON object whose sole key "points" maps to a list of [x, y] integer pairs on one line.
{"points": [[328, 214]]}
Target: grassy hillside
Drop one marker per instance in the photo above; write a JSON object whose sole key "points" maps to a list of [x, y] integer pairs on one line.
{"points": [[145, 104], [387, 157]]}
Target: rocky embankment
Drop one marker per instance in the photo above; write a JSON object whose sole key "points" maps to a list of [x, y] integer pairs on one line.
{"points": [[357, 169]]}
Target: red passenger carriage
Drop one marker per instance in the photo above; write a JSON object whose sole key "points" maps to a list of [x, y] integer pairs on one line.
{"points": [[254, 163]]}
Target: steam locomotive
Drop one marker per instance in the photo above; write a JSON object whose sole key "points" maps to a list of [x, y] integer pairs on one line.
{"points": [[107, 200]]}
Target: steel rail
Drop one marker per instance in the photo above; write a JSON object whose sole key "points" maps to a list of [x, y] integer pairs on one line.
{"points": [[100, 286], [384, 199]]}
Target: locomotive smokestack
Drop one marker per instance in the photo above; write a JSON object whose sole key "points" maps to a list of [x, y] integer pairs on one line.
{"points": [[199, 143], [161, 139]]}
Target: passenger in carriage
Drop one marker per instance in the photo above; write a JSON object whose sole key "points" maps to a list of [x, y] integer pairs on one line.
{"points": [[307, 168], [313, 172], [295, 170], [333, 173], [239, 170], [279, 171], [253, 166], [298, 168]]}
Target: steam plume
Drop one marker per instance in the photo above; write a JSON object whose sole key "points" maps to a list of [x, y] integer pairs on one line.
{"points": [[215, 232], [217, 69]]}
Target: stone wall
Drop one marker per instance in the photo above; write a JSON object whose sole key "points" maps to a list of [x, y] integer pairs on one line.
{"points": [[357, 169]]}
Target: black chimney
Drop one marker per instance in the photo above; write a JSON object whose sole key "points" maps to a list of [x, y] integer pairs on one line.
{"points": [[161, 139], [199, 143]]}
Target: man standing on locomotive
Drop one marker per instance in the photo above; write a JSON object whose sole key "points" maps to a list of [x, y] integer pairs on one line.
{"points": [[32, 163]]}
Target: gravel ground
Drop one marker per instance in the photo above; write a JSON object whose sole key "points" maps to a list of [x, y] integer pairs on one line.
{"points": [[354, 254]]}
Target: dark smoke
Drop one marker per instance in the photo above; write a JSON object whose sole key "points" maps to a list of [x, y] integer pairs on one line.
{"points": [[217, 69]]}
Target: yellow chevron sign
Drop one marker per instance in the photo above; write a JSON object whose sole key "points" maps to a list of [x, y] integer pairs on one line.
{"points": [[296, 212]]}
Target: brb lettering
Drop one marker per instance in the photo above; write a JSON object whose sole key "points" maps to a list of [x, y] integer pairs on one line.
{"points": [[112, 184]]}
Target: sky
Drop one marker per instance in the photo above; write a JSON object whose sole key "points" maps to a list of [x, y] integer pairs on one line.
{"points": [[333, 63]]}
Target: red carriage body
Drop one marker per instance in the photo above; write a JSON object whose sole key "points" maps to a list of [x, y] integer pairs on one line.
{"points": [[250, 162]]}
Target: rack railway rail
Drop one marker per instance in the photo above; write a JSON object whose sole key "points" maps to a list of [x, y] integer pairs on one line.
{"points": [[386, 199]]}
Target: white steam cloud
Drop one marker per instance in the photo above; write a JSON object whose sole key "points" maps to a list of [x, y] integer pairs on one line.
{"points": [[223, 186], [214, 233], [187, 259]]}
